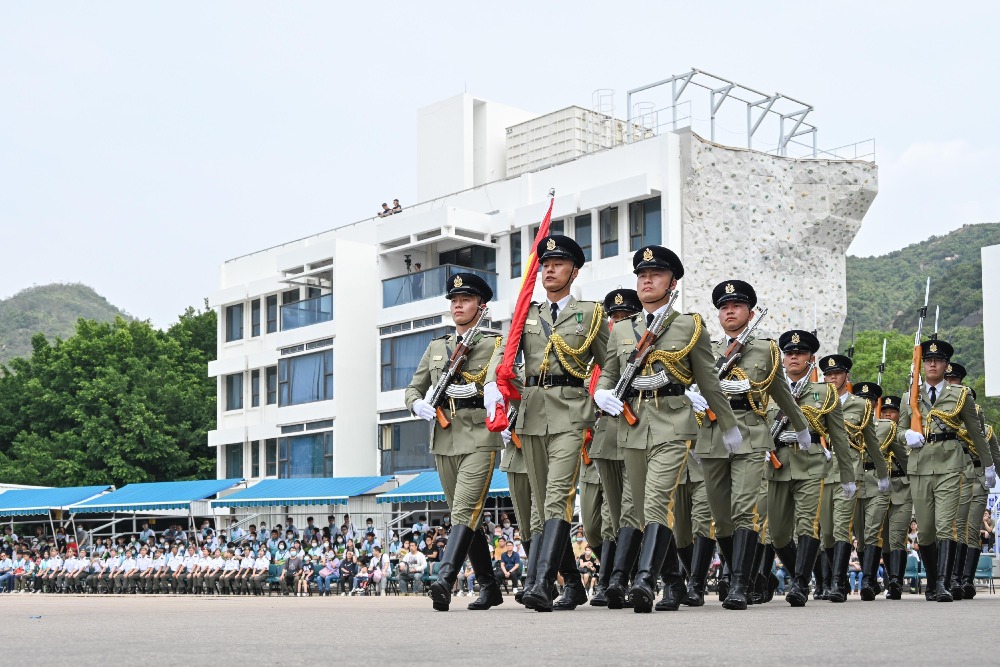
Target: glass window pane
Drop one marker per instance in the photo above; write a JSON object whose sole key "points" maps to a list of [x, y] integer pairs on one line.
{"points": [[272, 313], [271, 457], [234, 322], [609, 232], [309, 455], [404, 355], [582, 234], [255, 458], [305, 378], [234, 461], [408, 448], [255, 318], [255, 389], [272, 385], [515, 254], [234, 391]]}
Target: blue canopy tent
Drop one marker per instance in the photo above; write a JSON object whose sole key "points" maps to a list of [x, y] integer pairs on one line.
{"points": [[37, 502], [305, 491], [426, 488]]}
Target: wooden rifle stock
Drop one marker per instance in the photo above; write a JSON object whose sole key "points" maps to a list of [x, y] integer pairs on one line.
{"points": [[442, 418], [588, 436], [916, 419], [516, 439], [773, 456], [628, 414]]}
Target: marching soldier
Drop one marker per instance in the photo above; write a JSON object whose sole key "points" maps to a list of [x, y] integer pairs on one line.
{"points": [[794, 488], [561, 338], [873, 500], [900, 510], [693, 533], [656, 447], [733, 479], [465, 453], [836, 520], [607, 458], [528, 522], [937, 463]]}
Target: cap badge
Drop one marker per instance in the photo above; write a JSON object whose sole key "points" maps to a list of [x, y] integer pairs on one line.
{"points": [[647, 254], [619, 300], [795, 338], [864, 389], [949, 369], [831, 362], [551, 245], [458, 281], [730, 289], [933, 347]]}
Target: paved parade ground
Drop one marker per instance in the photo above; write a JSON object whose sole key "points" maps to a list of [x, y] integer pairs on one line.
{"points": [[404, 630]]}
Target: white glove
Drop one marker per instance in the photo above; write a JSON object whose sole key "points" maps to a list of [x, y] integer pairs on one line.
{"points": [[850, 488], [423, 409], [505, 434], [732, 439], [491, 398], [827, 454], [914, 440], [804, 439], [991, 476], [883, 485], [698, 402], [607, 402]]}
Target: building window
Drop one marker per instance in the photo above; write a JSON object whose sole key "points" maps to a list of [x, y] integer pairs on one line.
{"points": [[255, 458], [272, 384], [271, 457], [255, 318], [272, 313], [581, 232], [305, 378], [515, 254], [309, 455], [405, 446], [234, 322], [255, 389], [644, 223], [234, 461], [609, 232], [401, 354], [290, 296], [234, 391], [555, 227], [472, 257]]}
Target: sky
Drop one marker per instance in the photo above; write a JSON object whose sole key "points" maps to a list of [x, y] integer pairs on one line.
{"points": [[143, 144]]}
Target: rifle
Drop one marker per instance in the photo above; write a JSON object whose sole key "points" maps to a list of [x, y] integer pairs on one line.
{"points": [[728, 359], [781, 421], [850, 355], [511, 418], [881, 370], [638, 358], [916, 419], [455, 364]]}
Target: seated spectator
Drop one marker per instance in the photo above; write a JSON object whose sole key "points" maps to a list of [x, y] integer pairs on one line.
{"points": [[315, 549], [304, 577], [352, 549], [340, 546], [430, 550], [385, 212], [348, 570], [311, 530], [360, 580], [579, 543], [379, 570], [396, 208], [350, 532], [290, 527], [446, 519], [291, 570], [441, 544], [329, 572], [280, 555], [411, 570], [587, 565], [394, 547], [261, 566], [506, 527], [987, 534], [854, 570], [913, 535], [6, 573], [236, 534], [243, 576], [510, 566], [419, 528], [466, 579], [499, 549], [371, 529], [782, 573]]}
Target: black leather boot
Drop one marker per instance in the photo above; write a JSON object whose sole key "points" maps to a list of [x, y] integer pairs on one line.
{"points": [[841, 559], [929, 558], [626, 553], [726, 566], [755, 589], [945, 554], [555, 537], [957, 568], [674, 588], [701, 559], [969, 573], [459, 541], [482, 565], [744, 545], [573, 594], [805, 558], [869, 570], [531, 562], [789, 557], [656, 548], [768, 577], [896, 571], [607, 566]]}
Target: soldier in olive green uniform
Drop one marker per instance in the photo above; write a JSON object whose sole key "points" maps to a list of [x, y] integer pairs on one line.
{"points": [[562, 338], [607, 458], [893, 532], [937, 463], [836, 525], [656, 447], [734, 479], [466, 452], [873, 500], [692, 527], [794, 488]]}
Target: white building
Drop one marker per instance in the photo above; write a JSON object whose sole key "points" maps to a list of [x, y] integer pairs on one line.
{"points": [[302, 392]]}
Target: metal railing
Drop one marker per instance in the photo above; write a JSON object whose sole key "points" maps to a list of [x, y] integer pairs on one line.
{"points": [[428, 283], [306, 312]]}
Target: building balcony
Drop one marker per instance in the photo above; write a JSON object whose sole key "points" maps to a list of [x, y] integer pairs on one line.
{"points": [[427, 284], [306, 312]]}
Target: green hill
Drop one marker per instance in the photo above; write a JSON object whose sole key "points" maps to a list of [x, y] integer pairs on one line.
{"points": [[884, 293], [51, 310]]}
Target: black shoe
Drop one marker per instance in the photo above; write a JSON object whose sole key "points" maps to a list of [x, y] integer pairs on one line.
{"points": [[459, 541], [574, 594], [529, 570], [725, 566], [555, 538], [607, 567], [482, 564], [869, 569], [946, 551], [841, 560], [929, 557], [957, 568], [655, 555], [701, 559], [896, 571], [805, 558], [626, 553], [744, 546]]}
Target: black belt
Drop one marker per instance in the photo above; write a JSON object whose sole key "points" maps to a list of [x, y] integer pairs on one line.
{"points": [[554, 381], [897, 473], [942, 437], [665, 390], [813, 437], [740, 404], [473, 402], [869, 466], [976, 463]]}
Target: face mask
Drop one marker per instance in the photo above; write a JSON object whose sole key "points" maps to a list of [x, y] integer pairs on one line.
{"points": [[293, 554], [369, 525], [579, 539], [446, 521], [315, 545], [506, 524]]}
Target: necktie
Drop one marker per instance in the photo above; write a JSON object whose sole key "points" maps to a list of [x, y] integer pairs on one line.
{"points": [[933, 395], [649, 320], [555, 311], [458, 339]]}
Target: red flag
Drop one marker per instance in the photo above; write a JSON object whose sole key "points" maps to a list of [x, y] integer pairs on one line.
{"points": [[505, 372]]}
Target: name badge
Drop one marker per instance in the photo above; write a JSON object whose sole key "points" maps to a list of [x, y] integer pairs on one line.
{"points": [[628, 341], [437, 357], [531, 322]]}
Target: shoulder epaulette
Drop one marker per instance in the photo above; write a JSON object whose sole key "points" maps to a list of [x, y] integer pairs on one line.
{"points": [[442, 337]]}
